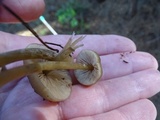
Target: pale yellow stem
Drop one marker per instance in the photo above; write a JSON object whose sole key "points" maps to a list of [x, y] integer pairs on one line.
{"points": [[15, 73], [24, 54]]}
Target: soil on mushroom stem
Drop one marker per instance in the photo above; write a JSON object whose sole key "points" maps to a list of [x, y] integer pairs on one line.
{"points": [[107, 17]]}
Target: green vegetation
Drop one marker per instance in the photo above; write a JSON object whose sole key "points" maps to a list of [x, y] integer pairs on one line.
{"points": [[72, 13]]}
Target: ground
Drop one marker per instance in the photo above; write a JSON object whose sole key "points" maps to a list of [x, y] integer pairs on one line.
{"points": [[137, 20]]}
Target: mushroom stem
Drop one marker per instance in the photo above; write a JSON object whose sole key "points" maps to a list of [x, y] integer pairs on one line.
{"points": [[15, 73], [69, 48], [63, 54], [23, 54], [64, 66], [21, 71]]}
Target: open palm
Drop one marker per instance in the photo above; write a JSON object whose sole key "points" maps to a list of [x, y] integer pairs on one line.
{"points": [[128, 79]]}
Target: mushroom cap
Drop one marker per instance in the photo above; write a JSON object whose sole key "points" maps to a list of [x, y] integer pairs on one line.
{"points": [[36, 45], [52, 85], [88, 77]]}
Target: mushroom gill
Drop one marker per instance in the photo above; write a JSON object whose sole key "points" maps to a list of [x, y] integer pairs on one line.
{"points": [[53, 86], [91, 76]]}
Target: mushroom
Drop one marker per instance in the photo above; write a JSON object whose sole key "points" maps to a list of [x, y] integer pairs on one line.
{"points": [[51, 79], [89, 76], [52, 85], [55, 84]]}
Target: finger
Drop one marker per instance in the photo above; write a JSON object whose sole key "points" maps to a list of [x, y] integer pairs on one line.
{"points": [[102, 44], [113, 65], [108, 95], [27, 9], [139, 110]]}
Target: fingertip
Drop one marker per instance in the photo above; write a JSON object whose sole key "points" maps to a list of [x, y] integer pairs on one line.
{"points": [[155, 62], [127, 43], [152, 108], [139, 110], [27, 9], [143, 61]]}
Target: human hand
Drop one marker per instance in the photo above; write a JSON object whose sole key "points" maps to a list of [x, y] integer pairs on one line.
{"points": [[121, 94]]}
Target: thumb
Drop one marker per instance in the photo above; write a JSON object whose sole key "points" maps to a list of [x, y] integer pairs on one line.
{"points": [[27, 9]]}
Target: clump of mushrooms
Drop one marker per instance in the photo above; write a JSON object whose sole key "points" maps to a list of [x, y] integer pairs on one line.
{"points": [[46, 70], [48, 73]]}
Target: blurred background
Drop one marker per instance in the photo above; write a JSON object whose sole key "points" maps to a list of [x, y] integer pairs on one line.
{"points": [[138, 20]]}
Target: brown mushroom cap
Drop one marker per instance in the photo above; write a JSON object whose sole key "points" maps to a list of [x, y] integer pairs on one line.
{"points": [[88, 77], [52, 85], [36, 45]]}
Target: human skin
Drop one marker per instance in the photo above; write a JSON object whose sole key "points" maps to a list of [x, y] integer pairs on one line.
{"points": [[121, 93]]}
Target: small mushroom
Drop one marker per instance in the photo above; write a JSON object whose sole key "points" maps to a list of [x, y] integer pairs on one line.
{"points": [[51, 79], [55, 84], [52, 85], [90, 76]]}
